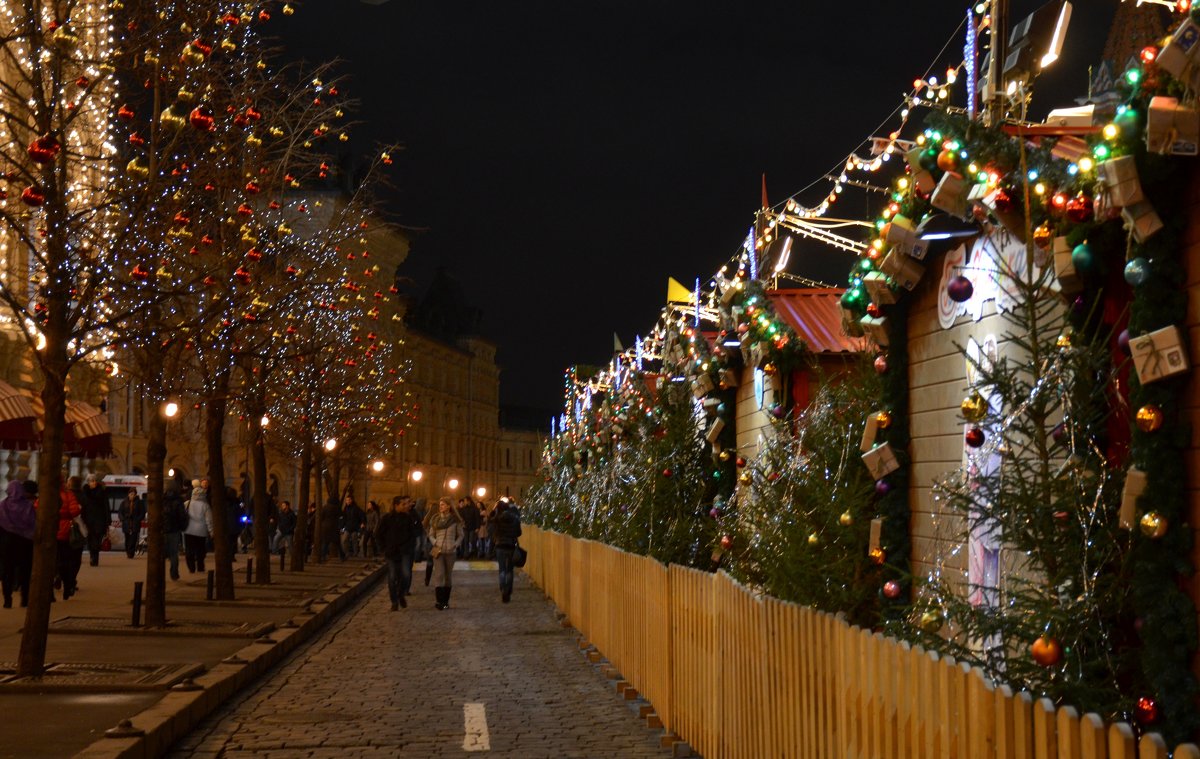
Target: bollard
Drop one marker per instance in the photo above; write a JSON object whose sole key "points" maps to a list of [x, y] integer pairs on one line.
{"points": [[137, 604], [282, 559], [211, 583], [249, 571]]}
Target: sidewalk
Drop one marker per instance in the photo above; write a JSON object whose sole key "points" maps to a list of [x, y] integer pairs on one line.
{"points": [[221, 645]]}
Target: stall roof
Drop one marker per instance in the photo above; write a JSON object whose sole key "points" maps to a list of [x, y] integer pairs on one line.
{"points": [[816, 316]]}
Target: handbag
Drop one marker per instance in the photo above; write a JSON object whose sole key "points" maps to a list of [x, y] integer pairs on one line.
{"points": [[519, 556], [77, 539], [435, 552]]}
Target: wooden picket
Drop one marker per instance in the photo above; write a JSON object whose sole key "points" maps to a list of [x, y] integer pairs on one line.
{"points": [[738, 674]]}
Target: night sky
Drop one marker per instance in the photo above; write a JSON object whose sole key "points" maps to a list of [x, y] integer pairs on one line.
{"points": [[567, 157]]}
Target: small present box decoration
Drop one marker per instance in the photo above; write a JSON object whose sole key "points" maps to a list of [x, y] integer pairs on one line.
{"points": [[702, 385], [881, 461], [1011, 218], [875, 536], [1180, 51], [714, 430], [870, 433], [879, 288], [1120, 178], [876, 328], [1159, 354], [951, 195], [850, 325], [729, 378], [901, 233], [1142, 221], [1069, 281], [1135, 485], [1172, 128], [904, 271]]}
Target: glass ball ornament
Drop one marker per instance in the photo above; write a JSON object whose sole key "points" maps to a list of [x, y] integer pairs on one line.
{"points": [[881, 363], [846, 519], [1080, 209], [667, 472], [744, 478], [931, 621], [724, 455], [891, 589], [1146, 711], [814, 539], [1149, 418], [974, 437], [883, 419], [882, 487], [973, 408], [1083, 258], [1123, 341], [1043, 236], [1137, 271], [1046, 651], [947, 160], [714, 512], [874, 311], [726, 542], [960, 289], [1153, 525], [741, 462], [877, 556]]}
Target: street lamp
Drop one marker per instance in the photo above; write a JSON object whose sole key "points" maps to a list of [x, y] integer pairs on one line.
{"points": [[480, 491], [452, 483], [170, 409], [266, 420], [377, 466], [330, 444], [417, 475]]}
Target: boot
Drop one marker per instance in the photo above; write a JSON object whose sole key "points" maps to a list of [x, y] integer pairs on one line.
{"points": [[428, 572], [446, 598], [442, 597]]}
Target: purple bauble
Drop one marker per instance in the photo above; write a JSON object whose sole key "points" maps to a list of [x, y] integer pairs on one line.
{"points": [[1079, 305], [883, 487], [714, 512], [1123, 341], [960, 289]]}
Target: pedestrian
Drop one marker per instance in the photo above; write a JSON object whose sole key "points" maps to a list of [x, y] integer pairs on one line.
{"points": [[175, 521], [69, 553], [397, 536], [285, 528], [469, 513], [17, 521], [508, 529], [331, 530], [353, 519], [445, 530], [310, 531], [369, 544], [235, 519], [133, 511], [199, 527], [96, 517]]}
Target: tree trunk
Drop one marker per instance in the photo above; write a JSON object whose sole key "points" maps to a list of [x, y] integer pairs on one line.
{"points": [[214, 427], [156, 553], [301, 534], [31, 660], [262, 504], [319, 522]]}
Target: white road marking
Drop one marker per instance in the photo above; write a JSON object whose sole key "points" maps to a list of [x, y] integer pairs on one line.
{"points": [[475, 724]]}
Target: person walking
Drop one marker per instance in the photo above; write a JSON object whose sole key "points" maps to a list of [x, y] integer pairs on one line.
{"points": [[370, 546], [445, 530], [96, 518], [69, 556], [469, 513], [17, 521], [133, 511], [353, 519], [285, 528], [199, 528], [331, 530], [508, 529], [175, 521], [397, 534]]}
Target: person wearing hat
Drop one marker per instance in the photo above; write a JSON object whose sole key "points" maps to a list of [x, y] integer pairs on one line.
{"points": [[199, 527], [96, 518]]}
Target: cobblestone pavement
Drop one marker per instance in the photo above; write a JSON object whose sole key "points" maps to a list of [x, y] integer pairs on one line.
{"points": [[479, 678]]}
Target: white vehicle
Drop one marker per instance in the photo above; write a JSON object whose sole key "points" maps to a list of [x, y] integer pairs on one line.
{"points": [[116, 489]]}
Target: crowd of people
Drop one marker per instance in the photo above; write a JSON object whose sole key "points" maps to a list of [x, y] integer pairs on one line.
{"points": [[409, 532]]}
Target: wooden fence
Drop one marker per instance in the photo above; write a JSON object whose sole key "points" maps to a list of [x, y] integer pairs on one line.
{"points": [[738, 674]]}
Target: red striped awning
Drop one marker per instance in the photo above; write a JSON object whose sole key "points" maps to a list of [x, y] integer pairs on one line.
{"points": [[90, 428], [18, 421]]}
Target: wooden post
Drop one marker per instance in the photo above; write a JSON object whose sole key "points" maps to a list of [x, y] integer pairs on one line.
{"points": [[137, 604]]}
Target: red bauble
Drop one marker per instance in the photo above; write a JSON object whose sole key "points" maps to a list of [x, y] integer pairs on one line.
{"points": [[960, 289], [33, 197], [881, 363], [201, 117], [891, 589], [947, 160], [1146, 711], [873, 310], [667, 472], [741, 462], [1080, 209], [726, 542], [1046, 651], [125, 113], [974, 437], [43, 150], [1003, 202]]}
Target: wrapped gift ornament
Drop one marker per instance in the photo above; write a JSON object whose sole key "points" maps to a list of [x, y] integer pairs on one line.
{"points": [[1120, 178], [951, 195], [901, 234], [879, 288], [1069, 281], [876, 328], [875, 536], [870, 432], [702, 385], [1010, 216], [1159, 354], [1172, 128], [1135, 485], [728, 378], [757, 355], [1180, 52], [850, 325], [881, 461], [714, 430], [904, 271], [1142, 220]]}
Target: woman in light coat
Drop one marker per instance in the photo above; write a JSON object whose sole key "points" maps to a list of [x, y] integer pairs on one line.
{"points": [[445, 529], [199, 528]]}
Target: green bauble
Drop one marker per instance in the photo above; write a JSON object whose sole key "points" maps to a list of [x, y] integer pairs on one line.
{"points": [[1083, 259]]}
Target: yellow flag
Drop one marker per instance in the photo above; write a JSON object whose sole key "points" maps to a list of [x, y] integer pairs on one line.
{"points": [[677, 293]]}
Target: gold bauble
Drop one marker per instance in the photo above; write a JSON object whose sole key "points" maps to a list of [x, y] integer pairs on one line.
{"points": [[1149, 418], [744, 478], [846, 519], [724, 455], [973, 408], [1064, 340], [877, 555], [1043, 236], [884, 419], [814, 539], [1153, 525], [931, 621]]}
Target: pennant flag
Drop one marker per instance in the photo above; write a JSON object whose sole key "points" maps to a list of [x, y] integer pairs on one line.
{"points": [[676, 292], [617, 347], [765, 203]]}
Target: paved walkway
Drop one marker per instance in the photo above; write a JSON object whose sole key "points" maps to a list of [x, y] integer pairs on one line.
{"points": [[481, 678]]}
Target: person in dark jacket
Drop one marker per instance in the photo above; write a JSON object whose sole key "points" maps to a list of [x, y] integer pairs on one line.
{"points": [[331, 530], [397, 538], [175, 521], [17, 520], [508, 529], [133, 511], [469, 513], [96, 518], [353, 519], [285, 528]]}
